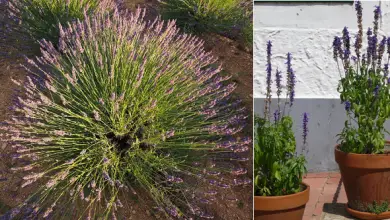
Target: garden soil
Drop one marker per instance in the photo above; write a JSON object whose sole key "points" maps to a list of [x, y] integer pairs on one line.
{"points": [[236, 61]]}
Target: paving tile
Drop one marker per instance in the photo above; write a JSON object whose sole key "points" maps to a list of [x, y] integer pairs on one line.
{"points": [[315, 182], [322, 175], [318, 209], [333, 181], [334, 175], [314, 196], [309, 210]]}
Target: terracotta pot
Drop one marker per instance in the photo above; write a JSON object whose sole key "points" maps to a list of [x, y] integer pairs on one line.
{"points": [[366, 178], [289, 207]]}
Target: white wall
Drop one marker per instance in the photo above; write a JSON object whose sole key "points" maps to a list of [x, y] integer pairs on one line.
{"points": [[306, 30]]}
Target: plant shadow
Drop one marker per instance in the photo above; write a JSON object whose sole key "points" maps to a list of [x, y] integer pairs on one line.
{"points": [[335, 211]]}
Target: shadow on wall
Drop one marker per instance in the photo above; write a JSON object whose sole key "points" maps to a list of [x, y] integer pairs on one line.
{"points": [[326, 120]]}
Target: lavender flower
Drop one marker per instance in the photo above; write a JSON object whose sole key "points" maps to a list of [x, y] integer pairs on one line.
{"points": [[290, 80], [386, 70], [305, 128]]}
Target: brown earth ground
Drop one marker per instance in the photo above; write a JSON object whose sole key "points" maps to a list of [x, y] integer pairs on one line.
{"points": [[236, 61]]}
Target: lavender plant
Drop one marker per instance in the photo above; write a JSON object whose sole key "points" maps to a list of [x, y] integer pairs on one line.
{"points": [[40, 18], [220, 16], [364, 87], [278, 169], [126, 106]]}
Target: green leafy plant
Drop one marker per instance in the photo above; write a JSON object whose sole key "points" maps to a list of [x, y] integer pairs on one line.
{"points": [[220, 16], [126, 106], [40, 18], [278, 170], [364, 88], [377, 208]]}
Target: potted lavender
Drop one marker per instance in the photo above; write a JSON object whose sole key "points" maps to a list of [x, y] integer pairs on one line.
{"points": [[278, 187], [365, 91]]}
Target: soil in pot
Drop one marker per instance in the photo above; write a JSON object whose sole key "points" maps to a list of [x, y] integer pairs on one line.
{"points": [[289, 207]]}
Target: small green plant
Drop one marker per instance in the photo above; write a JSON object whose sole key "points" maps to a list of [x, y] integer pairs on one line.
{"points": [[364, 88], [126, 106], [377, 208], [220, 16], [278, 170], [40, 18]]}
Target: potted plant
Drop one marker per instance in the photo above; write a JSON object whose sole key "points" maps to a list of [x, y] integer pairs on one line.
{"points": [[278, 187], [365, 91]]}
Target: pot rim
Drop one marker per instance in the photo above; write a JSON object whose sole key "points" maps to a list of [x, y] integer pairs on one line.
{"points": [[273, 203], [362, 161]]}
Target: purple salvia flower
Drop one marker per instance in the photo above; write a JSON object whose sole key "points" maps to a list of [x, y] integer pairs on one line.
{"points": [[377, 13], [359, 37], [278, 80], [276, 115], [336, 47], [381, 50], [305, 128], [290, 80], [347, 44], [347, 105], [376, 91], [354, 58], [269, 79], [388, 46], [386, 70]]}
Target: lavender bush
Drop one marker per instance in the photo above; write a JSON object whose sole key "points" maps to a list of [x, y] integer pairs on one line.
{"points": [[123, 107], [364, 87], [220, 16], [278, 170], [40, 18]]}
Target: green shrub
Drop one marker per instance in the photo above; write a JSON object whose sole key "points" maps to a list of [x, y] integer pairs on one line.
{"points": [[220, 16], [40, 18], [126, 106]]}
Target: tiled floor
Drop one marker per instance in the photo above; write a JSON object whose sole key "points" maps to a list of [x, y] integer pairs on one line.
{"points": [[327, 197]]}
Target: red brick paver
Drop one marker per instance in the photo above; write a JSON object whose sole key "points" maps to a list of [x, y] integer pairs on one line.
{"points": [[324, 188]]}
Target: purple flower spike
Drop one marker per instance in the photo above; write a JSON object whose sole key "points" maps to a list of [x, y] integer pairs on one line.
{"points": [[359, 37], [336, 47], [269, 67], [386, 70], [276, 115], [377, 13], [290, 80], [381, 50], [278, 77], [346, 41], [376, 91], [305, 128], [347, 105]]}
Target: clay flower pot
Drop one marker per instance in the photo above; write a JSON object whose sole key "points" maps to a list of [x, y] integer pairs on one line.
{"points": [[289, 207], [366, 179]]}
